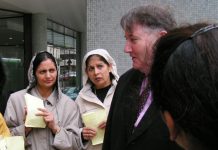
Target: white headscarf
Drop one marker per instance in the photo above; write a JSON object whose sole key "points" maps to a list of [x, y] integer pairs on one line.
{"points": [[106, 56], [32, 79]]}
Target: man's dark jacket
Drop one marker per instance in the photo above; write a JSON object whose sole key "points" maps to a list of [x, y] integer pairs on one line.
{"points": [[120, 134]]}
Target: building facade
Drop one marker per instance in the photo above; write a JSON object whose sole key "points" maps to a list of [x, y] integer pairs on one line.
{"points": [[103, 22], [27, 27]]}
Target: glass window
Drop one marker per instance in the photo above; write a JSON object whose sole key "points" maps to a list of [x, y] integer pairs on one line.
{"points": [[12, 53], [69, 41], [49, 36], [58, 39], [62, 44]]}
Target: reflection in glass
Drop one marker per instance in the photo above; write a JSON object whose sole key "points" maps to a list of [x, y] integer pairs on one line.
{"points": [[62, 44], [12, 53]]}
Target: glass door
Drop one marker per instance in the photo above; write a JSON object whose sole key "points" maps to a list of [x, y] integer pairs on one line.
{"points": [[12, 54]]}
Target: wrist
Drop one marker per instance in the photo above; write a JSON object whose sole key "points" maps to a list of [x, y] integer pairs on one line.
{"points": [[56, 130], [27, 130]]}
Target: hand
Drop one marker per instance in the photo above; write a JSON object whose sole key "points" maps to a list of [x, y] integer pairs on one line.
{"points": [[49, 120], [88, 133], [102, 125]]}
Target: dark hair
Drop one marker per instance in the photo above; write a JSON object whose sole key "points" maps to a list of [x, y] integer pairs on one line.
{"points": [[42, 56], [99, 56], [148, 16], [2, 76], [184, 82]]}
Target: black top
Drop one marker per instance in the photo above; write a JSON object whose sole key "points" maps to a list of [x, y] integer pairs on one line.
{"points": [[101, 93], [150, 134]]}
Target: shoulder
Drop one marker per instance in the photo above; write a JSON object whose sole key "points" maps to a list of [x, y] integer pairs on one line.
{"points": [[16, 100], [68, 109], [67, 101], [18, 94], [78, 99], [130, 75], [84, 94], [84, 97]]}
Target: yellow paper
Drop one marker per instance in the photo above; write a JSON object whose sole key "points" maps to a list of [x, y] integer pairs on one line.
{"points": [[92, 120], [2, 143], [33, 103], [15, 143], [12, 143]]}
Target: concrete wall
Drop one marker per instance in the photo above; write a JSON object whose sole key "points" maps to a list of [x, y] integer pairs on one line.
{"points": [[103, 22]]}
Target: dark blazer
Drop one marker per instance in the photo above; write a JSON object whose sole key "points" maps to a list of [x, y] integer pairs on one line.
{"points": [[120, 134]]}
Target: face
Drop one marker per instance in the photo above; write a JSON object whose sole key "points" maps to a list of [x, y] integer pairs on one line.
{"points": [[139, 45], [98, 72], [46, 74]]}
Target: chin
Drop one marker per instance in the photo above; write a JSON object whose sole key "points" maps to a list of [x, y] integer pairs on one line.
{"points": [[50, 86], [135, 67], [138, 68]]}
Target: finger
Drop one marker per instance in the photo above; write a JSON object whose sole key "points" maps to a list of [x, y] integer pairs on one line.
{"points": [[85, 131], [90, 130], [48, 119], [42, 109], [91, 133], [40, 113], [25, 110], [102, 126], [88, 136]]}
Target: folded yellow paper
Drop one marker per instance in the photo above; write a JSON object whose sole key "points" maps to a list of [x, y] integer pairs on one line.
{"points": [[92, 120], [33, 103], [12, 143]]}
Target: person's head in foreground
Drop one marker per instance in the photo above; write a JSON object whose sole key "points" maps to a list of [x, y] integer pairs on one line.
{"points": [[144, 25], [184, 80]]}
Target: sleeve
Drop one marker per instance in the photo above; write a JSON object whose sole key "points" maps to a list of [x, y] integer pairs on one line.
{"points": [[107, 137], [68, 137], [14, 119], [114, 112], [84, 144]]}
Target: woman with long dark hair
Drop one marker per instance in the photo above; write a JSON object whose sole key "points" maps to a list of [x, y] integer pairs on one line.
{"points": [[61, 114], [184, 84]]}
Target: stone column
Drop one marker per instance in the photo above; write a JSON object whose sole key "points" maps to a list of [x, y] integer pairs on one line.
{"points": [[39, 32]]}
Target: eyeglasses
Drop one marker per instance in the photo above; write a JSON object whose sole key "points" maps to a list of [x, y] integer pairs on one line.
{"points": [[204, 29]]}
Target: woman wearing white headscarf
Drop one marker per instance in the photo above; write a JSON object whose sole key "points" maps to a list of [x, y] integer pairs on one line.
{"points": [[99, 82], [60, 114]]}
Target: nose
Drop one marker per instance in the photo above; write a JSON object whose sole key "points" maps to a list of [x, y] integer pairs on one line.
{"points": [[96, 70], [127, 47], [47, 75]]}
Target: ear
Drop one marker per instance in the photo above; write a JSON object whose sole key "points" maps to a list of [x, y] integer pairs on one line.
{"points": [[162, 33], [170, 124]]}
